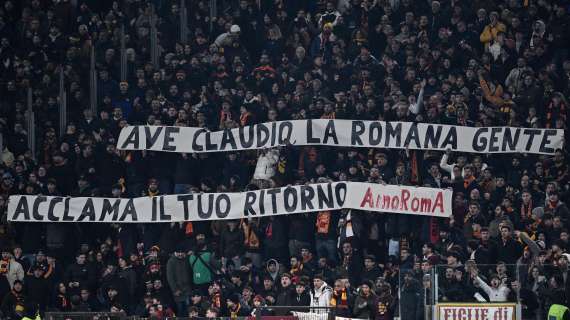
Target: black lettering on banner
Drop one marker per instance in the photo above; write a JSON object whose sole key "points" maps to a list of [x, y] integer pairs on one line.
{"points": [[480, 144], [450, 140], [310, 138], [209, 145], [52, 203], [509, 142], [307, 195], [262, 133], [228, 138], [132, 138], [531, 133], [340, 193], [185, 198], [222, 213], [168, 138], [282, 126], [393, 132], [330, 132], [261, 202], [163, 215], [250, 198], [357, 130], [249, 142], [195, 145], [325, 200], [108, 209], [546, 141], [290, 192], [432, 138], [273, 193], [130, 210], [22, 208], [154, 213], [88, 211], [151, 138], [493, 147], [413, 135], [66, 216], [273, 133], [208, 212], [375, 133], [35, 210]]}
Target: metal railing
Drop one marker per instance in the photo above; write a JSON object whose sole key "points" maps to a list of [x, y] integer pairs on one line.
{"points": [[263, 313], [88, 316], [31, 124], [62, 102]]}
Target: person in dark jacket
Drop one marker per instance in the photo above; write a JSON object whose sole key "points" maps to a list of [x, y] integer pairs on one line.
{"points": [[275, 238], [365, 302], [87, 303], [525, 297], [235, 308], [128, 277], [79, 274], [285, 293], [411, 301], [301, 298], [371, 270], [178, 277], [36, 287], [231, 242], [509, 250], [14, 302]]}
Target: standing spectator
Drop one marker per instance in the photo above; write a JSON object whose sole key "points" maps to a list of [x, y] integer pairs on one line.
{"points": [[320, 294], [178, 275]]}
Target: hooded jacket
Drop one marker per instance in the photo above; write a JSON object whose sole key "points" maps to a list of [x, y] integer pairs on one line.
{"points": [[321, 297]]}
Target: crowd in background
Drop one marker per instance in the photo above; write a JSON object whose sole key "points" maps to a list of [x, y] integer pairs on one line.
{"points": [[468, 63]]}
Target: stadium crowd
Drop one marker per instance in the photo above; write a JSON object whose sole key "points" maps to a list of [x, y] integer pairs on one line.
{"points": [[468, 63]]}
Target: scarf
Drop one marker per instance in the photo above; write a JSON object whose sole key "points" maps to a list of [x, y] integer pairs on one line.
{"points": [[234, 313], [553, 112], [339, 299], [526, 210], [251, 240], [269, 230], [467, 181], [244, 118], [415, 172]]}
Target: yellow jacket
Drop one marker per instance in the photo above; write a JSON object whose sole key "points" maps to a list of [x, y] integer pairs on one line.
{"points": [[490, 33], [496, 97]]}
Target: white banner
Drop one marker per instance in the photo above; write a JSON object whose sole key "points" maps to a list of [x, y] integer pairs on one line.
{"points": [[221, 206], [343, 133], [474, 311]]}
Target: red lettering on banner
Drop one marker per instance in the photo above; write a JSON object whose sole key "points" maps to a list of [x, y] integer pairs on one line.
{"points": [[415, 204], [405, 198], [367, 199], [438, 202], [467, 312], [461, 313]]}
